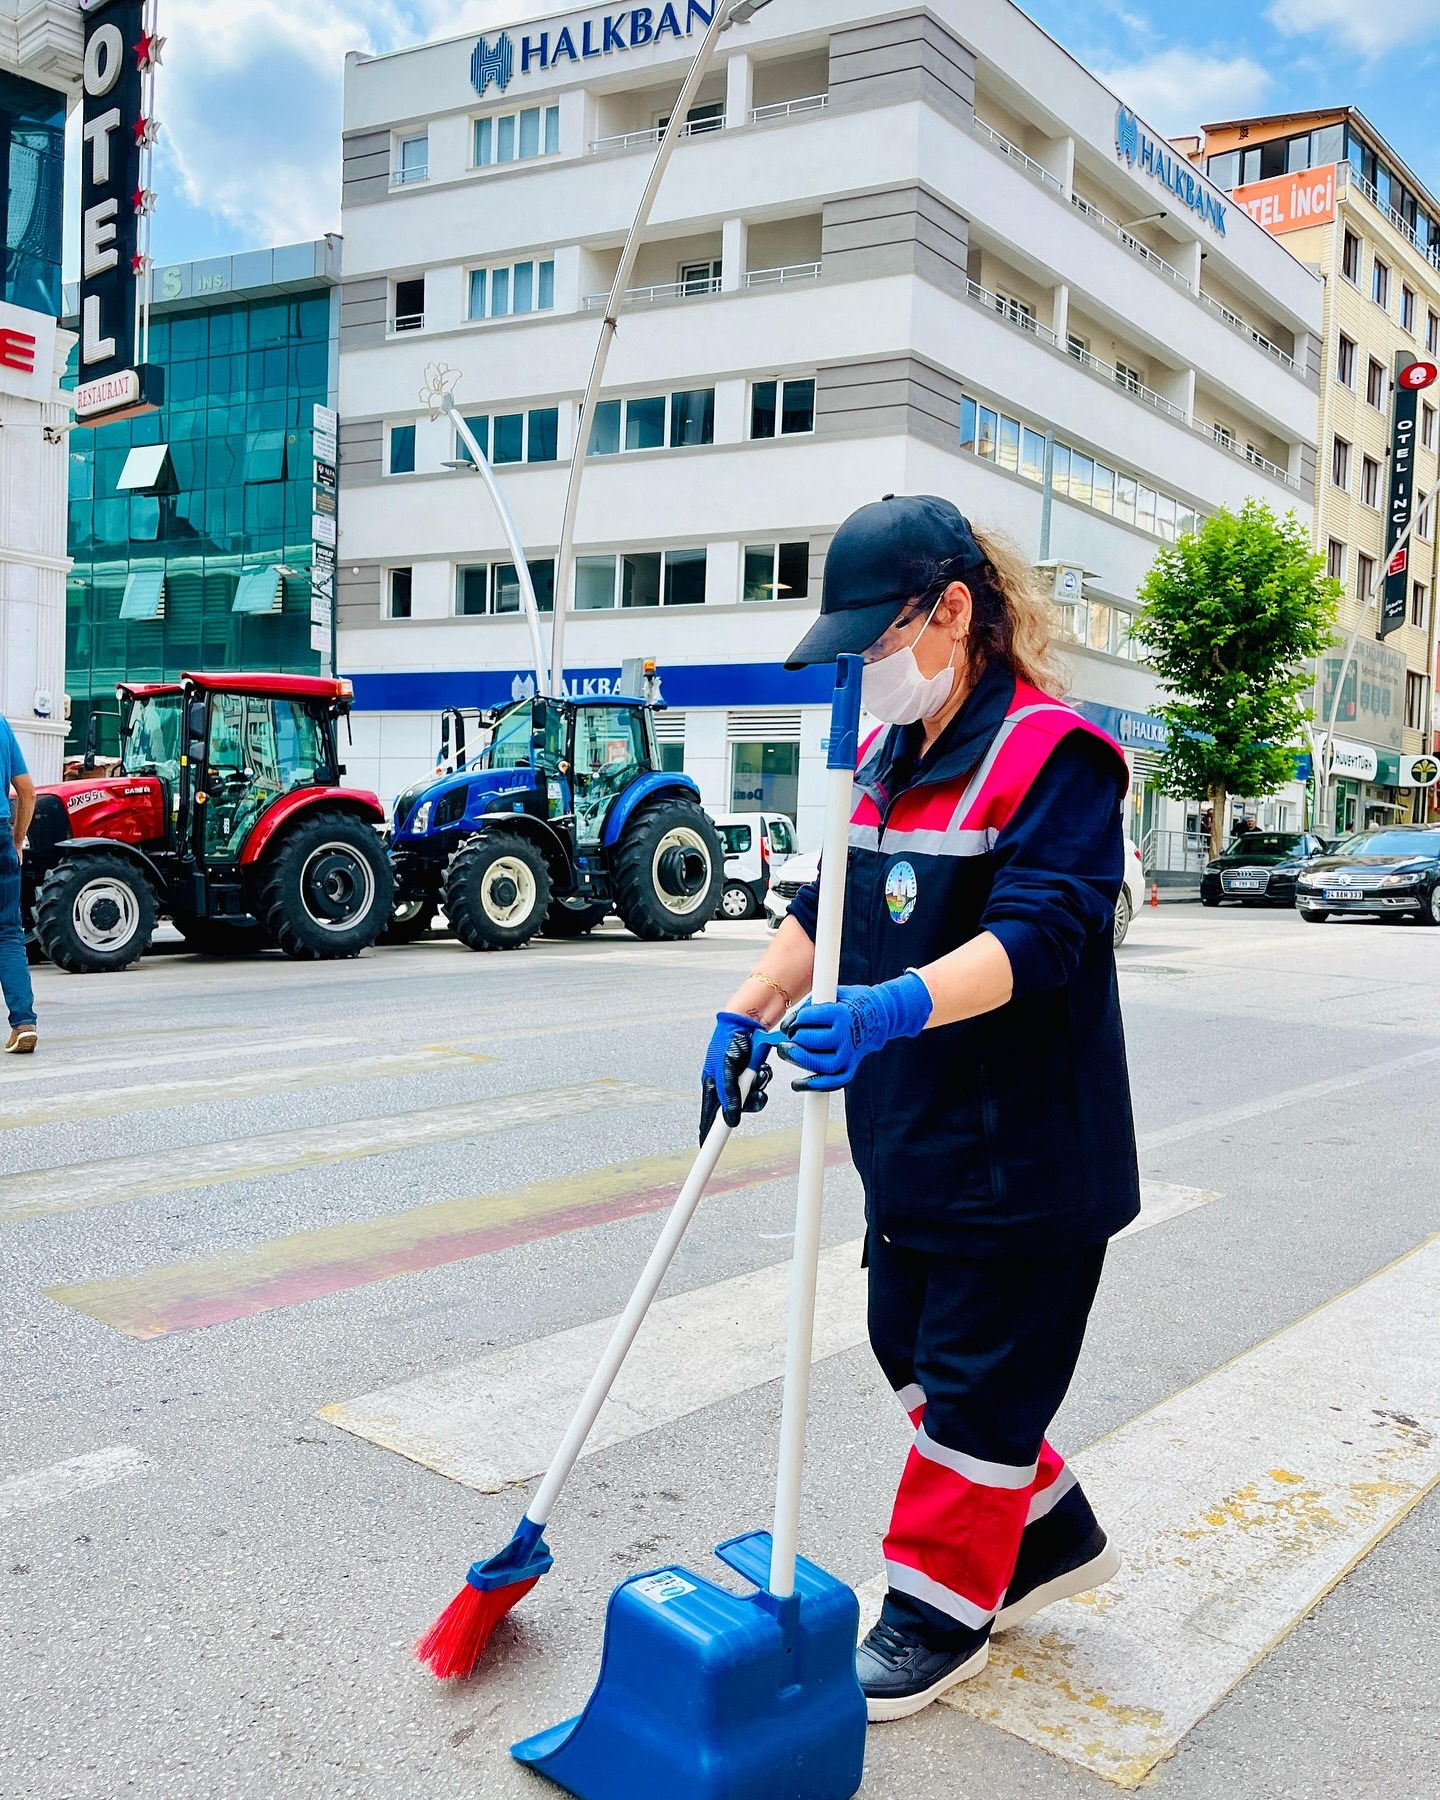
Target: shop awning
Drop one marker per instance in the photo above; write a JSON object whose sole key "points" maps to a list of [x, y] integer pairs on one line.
{"points": [[144, 595], [258, 591]]}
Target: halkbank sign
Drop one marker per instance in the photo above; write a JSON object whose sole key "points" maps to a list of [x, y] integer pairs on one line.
{"points": [[1141, 151], [585, 39]]}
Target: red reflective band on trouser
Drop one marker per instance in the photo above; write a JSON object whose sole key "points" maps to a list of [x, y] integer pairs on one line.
{"points": [[954, 1536]]}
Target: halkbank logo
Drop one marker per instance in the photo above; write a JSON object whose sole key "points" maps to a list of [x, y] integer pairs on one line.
{"points": [[496, 65], [1141, 151]]}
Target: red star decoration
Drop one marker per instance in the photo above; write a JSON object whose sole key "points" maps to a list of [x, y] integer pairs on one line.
{"points": [[144, 52], [145, 130], [137, 200], [139, 263]]}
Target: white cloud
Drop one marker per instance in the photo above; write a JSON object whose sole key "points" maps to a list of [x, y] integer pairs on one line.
{"points": [[1369, 31], [1177, 90]]}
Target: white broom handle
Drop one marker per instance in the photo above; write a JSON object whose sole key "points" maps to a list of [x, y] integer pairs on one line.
{"points": [[814, 1131], [629, 1322]]}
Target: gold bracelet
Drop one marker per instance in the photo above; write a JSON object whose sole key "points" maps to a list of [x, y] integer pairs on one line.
{"points": [[755, 975]]}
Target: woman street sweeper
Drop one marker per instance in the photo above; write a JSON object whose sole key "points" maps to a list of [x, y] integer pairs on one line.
{"points": [[977, 1031]]}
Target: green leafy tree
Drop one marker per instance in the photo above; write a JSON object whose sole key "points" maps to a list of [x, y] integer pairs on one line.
{"points": [[1229, 616]]}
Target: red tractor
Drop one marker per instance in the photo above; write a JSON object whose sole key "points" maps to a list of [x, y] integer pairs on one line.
{"points": [[225, 813]]}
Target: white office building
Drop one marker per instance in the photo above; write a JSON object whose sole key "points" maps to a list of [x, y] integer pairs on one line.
{"points": [[41, 49], [897, 252]]}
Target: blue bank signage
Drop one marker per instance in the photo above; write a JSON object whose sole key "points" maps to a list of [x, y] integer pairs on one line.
{"points": [[1135, 146], [583, 40]]}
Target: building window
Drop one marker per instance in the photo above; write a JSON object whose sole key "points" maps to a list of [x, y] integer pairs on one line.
{"points": [[264, 457], [1407, 309], [776, 572], [472, 590], [1375, 384], [1335, 560], [398, 594], [651, 421], [1364, 575], [765, 777], [1369, 482], [640, 578], [516, 137], [1432, 333], [1350, 258], [700, 277], [1380, 283], [1224, 436], [1345, 361], [410, 304], [1129, 378], [412, 158], [1422, 523], [1427, 424], [513, 289], [1018, 312], [402, 450], [786, 405], [505, 585], [1415, 689], [514, 437], [708, 117], [1420, 605], [1340, 463]]}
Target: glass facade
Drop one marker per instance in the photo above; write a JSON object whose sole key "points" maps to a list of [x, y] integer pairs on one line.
{"points": [[32, 187], [241, 382]]}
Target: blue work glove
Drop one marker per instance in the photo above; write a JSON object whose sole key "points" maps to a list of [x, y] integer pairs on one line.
{"points": [[732, 1051], [830, 1039]]}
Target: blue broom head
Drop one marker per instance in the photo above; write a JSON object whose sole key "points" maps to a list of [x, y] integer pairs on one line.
{"points": [[525, 1558]]}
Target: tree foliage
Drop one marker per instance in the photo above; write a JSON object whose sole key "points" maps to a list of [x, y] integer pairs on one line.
{"points": [[1229, 616]]}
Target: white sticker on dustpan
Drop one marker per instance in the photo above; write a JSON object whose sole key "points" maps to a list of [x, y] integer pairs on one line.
{"points": [[1236, 1505], [496, 1421], [667, 1585]]}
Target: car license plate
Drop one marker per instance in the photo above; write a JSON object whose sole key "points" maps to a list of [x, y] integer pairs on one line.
{"points": [[1232, 884], [1345, 893]]}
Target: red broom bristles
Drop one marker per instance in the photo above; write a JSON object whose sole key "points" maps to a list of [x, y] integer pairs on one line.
{"points": [[456, 1641]]}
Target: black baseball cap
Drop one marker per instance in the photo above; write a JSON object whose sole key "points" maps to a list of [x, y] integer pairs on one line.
{"points": [[882, 556]]}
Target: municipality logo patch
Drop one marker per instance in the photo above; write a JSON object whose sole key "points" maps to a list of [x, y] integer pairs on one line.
{"points": [[497, 64], [901, 890]]}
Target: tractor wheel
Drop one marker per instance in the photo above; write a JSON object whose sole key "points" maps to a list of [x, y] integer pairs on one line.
{"points": [[95, 914], [669, 871], [218, 937], [326, 891], [573, 918], [410, 920], [497, 891]]}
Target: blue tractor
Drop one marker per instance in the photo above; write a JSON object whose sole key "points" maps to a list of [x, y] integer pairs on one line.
{"points": [[565, 815]]}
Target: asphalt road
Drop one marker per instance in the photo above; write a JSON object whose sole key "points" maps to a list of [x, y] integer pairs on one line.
{"points": [[222, 1599]]}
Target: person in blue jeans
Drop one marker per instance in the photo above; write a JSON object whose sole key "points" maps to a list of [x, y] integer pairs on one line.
{"points": [[17, 804]]}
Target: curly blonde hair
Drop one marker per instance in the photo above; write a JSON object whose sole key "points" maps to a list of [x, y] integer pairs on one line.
{"points": [[1010, 619]]}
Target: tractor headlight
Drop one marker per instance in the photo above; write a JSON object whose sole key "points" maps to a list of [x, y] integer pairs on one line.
{"points": [[420, 824]]}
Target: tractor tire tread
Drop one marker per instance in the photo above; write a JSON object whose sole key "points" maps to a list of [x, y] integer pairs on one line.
{"points": [[634, 896], [276, 910], [462, 902], [54, 926]]}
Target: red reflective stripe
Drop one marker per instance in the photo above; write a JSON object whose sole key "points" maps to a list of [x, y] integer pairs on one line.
{"points": [[866, 812], [925, 808], [1051, 1468], [956, 1532]]}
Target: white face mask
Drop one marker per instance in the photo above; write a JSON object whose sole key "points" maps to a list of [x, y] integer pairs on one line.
{"points": [[894, 690]]}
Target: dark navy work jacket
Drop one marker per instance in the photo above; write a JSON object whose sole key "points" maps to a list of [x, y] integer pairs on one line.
{"points": [[1011, 1133]]}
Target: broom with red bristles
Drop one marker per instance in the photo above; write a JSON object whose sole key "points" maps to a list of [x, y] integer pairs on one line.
{"points": [[456, 1641]]}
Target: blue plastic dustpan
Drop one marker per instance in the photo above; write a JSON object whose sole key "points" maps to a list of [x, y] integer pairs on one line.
{"points": [[708, 1695]]}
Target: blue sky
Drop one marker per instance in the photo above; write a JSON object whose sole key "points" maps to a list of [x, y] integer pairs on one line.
{"points": [[249, 98]]}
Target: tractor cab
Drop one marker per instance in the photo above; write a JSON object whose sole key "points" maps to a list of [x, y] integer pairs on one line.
{"points": [[226, 814]]}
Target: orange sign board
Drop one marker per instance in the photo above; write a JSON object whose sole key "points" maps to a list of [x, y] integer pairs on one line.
{"points": [[1290, 202]]}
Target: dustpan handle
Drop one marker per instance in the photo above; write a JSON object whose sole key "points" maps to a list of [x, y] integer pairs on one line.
{"points": [[814, 1128], [630, 1321]]}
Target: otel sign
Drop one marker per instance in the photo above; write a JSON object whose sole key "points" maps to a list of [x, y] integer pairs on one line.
{"points": [[1417, 375]]}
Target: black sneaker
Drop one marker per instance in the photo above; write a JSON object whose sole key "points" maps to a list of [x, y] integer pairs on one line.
{"points": [[1062, 1554], [900, 1675]]}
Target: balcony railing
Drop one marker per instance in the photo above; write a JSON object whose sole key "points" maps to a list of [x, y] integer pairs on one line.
{"points": [[1247, 452], [1257, 338], [408, 322], [787, 109], [1011, 311], [1126, 379], [1431, 252], [1018, 156], [664, 290], [634, 140], [1131, 242], [806, 271]]}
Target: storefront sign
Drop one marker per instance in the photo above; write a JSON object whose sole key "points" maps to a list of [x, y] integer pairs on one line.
{"points": [[582, 40], [1353, 762], [1140, 151], [324, 431], [1290, 202], [1410, 377], [1419, 771], [1135, 731], [1372, 702], [27, 353]]}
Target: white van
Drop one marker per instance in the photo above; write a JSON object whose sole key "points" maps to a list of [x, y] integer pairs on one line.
{"points": [[755, 846]]}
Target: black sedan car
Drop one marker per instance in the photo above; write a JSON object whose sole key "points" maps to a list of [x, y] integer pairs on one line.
{"points": [[1259, 868], [1392, 871]]}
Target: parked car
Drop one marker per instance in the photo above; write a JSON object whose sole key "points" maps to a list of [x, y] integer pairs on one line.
{"points": [[1392, 871], [1259, 869], [755, 844], [802, 869], [1132, 893]]}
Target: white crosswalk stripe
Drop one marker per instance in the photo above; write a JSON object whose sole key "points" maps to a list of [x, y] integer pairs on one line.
{"points": [[39, 1487]]}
